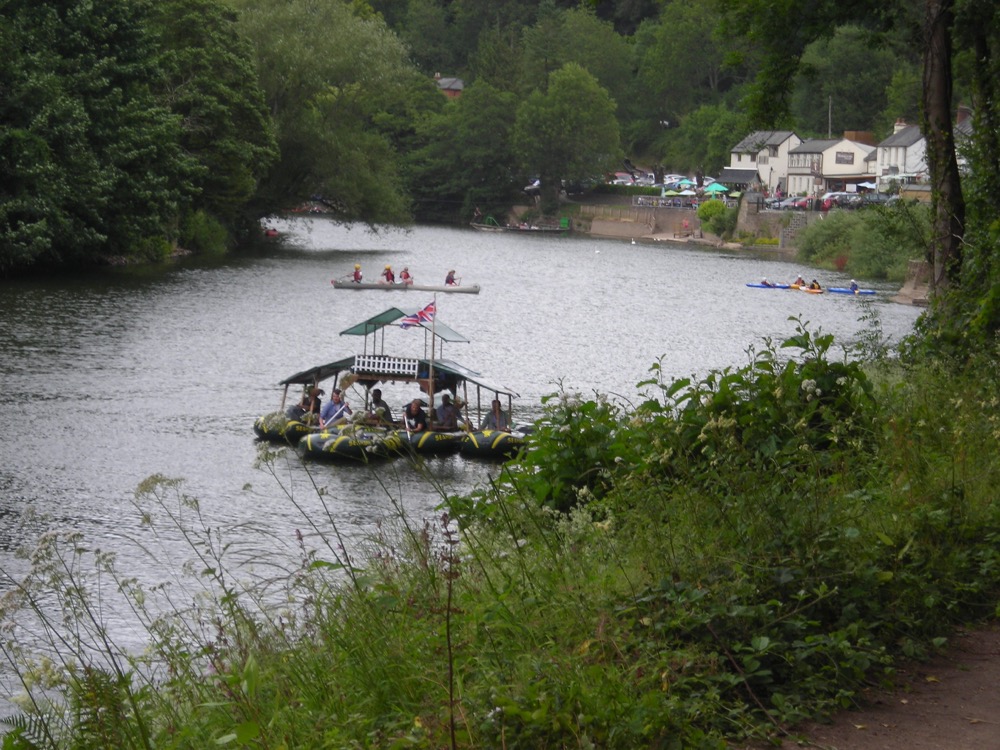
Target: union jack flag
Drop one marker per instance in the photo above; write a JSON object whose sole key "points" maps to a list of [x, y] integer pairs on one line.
{"points": [[421, 316]]}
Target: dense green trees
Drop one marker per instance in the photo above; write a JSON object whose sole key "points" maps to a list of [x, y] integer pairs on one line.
{"points": [[92, 167], [208, 78], [567, 131], [129, 127]]}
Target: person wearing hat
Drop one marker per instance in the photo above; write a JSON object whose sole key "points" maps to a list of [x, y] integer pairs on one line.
{"points": [[310, 405], [854, 286], [356, 278], [336, 410], [379, 412], [799, 281], [415, 418], [449, 280], [405, 277], [388, 277]]}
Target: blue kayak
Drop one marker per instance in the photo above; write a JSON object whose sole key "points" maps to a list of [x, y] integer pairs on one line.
{"points": [[769, 286], [843, 290]]}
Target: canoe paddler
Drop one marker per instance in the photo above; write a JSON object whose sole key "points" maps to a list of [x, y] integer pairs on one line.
{"points": [[388, 277], [356, 276]]}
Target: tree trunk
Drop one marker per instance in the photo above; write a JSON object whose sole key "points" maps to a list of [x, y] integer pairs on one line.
{"points": [[947, 202]]}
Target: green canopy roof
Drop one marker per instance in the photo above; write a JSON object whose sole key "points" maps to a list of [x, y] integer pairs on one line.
{"points": [[390, 316]]}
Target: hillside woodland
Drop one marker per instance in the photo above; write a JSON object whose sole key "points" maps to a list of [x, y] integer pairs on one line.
{"points": [[715, 564]]}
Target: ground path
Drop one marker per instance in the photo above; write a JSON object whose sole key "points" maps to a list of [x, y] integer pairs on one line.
{"points": [[949, 703]]}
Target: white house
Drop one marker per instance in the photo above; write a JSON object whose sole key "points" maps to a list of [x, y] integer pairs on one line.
{"points": [[819, 166], [766, 153], [902, 157]]}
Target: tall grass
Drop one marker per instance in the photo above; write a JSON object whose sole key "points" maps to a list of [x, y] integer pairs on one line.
{"points": [[728, 557]]}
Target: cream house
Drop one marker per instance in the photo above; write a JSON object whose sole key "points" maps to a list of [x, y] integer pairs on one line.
{"points": [[902, 157], [764, 152], [819, 166]]}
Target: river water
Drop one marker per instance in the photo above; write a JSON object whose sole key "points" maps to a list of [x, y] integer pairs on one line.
{"points": [[113, 377]]}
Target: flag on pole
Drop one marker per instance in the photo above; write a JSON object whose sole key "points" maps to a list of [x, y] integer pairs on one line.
{"points": [[421, 316]]}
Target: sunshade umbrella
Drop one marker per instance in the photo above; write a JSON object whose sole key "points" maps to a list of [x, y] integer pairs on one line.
{"points": [[670, 193], [716, 187], [687, 192], [685, 181]]}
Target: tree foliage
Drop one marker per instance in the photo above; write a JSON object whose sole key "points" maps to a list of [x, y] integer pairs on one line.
{"points": [[568, 131], [209, 80], [327, 74], [91, 165]]}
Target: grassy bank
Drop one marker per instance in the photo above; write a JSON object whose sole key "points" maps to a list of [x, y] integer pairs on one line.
{"points": [[718, 562]]}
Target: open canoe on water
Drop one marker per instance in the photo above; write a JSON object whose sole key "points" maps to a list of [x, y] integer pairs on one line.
{"points": [[844, 290], [369, 285]]}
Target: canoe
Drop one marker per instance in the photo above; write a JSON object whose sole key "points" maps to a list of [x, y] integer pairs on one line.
{"points": [[843, 290], [446, 288], [769, 286], [493, 444]]}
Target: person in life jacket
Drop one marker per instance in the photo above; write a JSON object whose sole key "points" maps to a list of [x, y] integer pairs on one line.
{"points": [[356, 277], [388, 277], [405, 276]]}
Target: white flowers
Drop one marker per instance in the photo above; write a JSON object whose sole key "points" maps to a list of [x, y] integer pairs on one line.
{"points": [[810, 389]]}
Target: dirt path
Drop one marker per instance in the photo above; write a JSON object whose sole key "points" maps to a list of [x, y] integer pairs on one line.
{"points": [[949, 703]]}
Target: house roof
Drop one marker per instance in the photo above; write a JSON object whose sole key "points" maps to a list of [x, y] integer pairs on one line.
{"points": [[732, 176], [449, 83], [903, 137], [759, 139], [815, 145]]}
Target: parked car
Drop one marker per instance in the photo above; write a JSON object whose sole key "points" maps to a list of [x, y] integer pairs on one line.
{"points": [[839, 199], [795, 202]]}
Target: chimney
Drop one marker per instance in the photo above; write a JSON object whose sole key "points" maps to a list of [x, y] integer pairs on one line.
{"points": [[900, 124]]}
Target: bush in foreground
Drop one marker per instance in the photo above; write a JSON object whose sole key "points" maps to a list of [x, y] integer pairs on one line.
{"points": [[731, 556]]}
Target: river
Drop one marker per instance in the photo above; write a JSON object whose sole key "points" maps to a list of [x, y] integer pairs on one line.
{"points": [[110, 378]]}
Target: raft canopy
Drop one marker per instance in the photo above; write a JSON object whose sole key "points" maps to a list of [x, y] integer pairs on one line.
{"points": [[372, 367], [390, 316]]}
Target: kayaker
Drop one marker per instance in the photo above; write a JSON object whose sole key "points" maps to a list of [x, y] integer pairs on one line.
{"points": [[356, 276], [405, 277], [814, 284], [388, 277], [765, 282], [854, 286], [449, 280], [799, 281]]}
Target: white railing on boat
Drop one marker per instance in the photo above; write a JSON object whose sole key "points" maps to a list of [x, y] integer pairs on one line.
{"points": [[381, 364]]}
